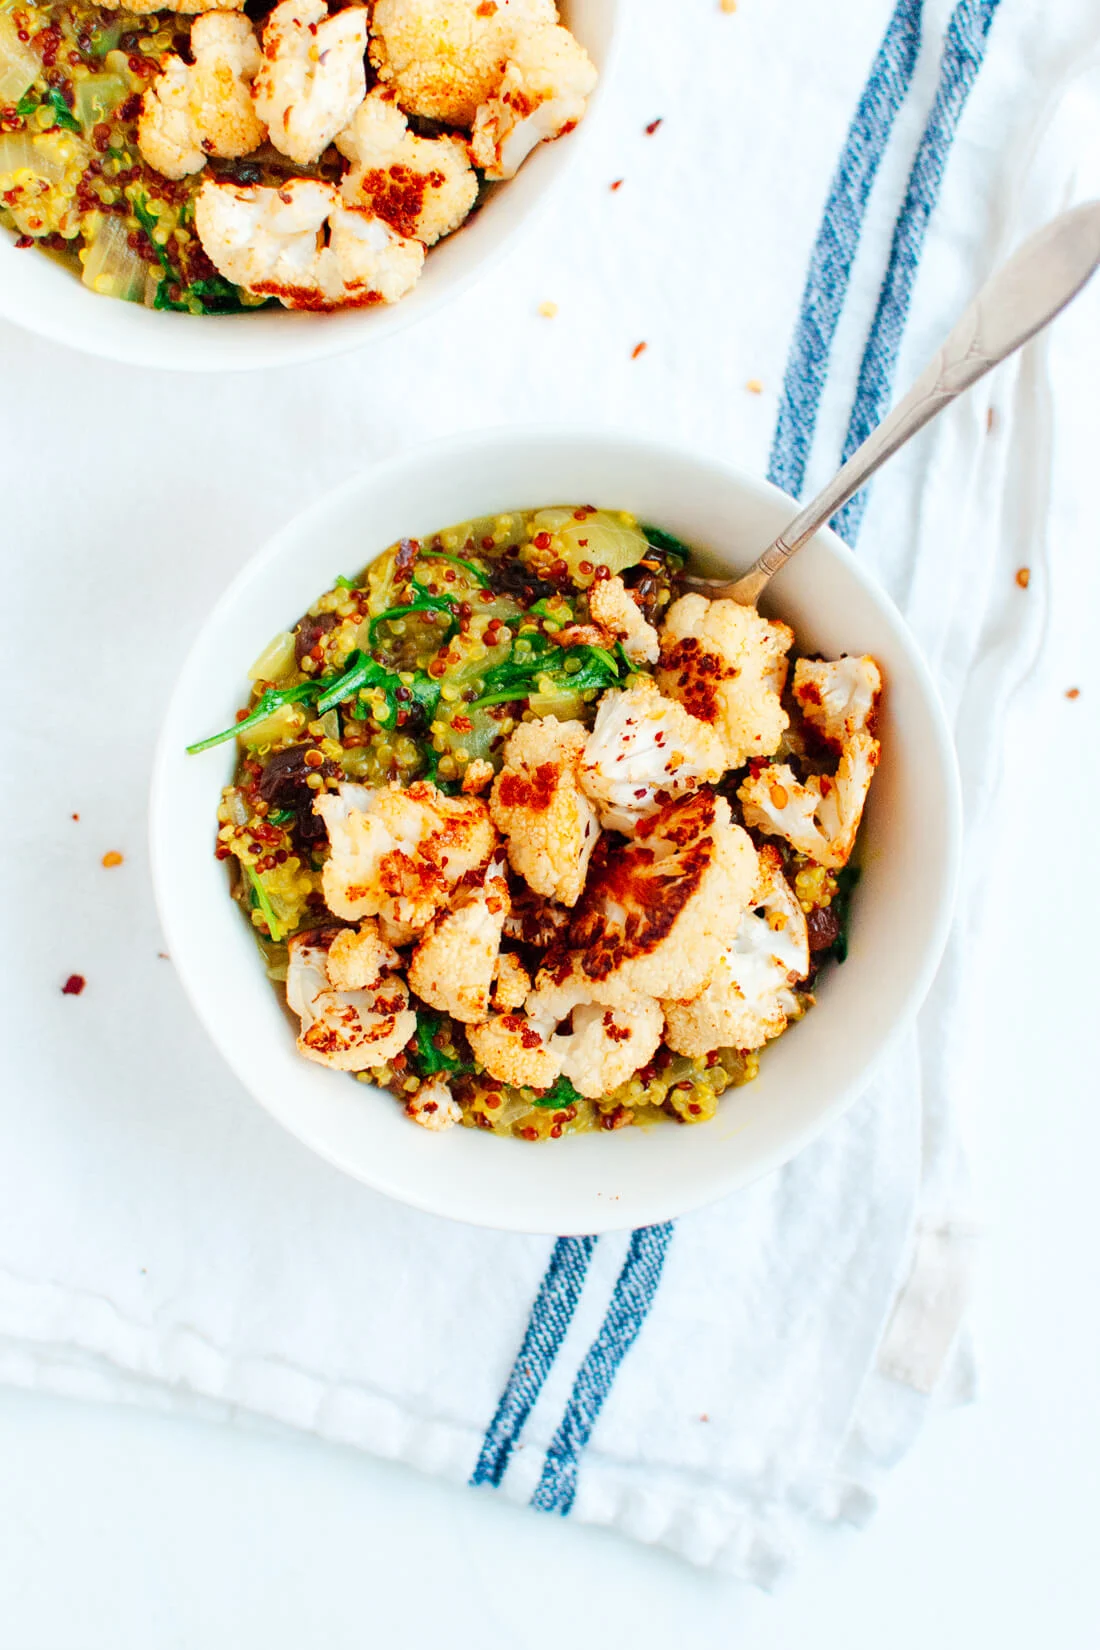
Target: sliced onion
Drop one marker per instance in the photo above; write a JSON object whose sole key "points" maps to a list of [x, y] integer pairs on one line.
{"points": [[111, 266], [20, 67]]}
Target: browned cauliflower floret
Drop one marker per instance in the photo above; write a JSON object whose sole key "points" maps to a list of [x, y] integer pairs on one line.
{"points": [[657, 914], [821, 817], [534, 920], [645, 750], [357, 956], [513, 1049], [538, 804], [513, 983], [422, 187], [838, 696], [302, 245], [400, 854], [542, 95], [727, 666], [205, 107], [349, 1030], [478, 777], [453, 966], [433, 1106], [604, 1044], [313, 76], [443, 58], [749, 998], [614, 608]]}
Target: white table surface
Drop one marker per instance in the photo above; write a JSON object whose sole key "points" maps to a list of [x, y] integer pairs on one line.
{"points": [[128, 1531]]}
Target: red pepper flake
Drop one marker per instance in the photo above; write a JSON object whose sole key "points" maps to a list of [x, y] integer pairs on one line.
{"points": [[1073, 693], [653, 125], [638, 349], [24, 241], [617, 185], [74, 985], [541, 541], [76, 816]]}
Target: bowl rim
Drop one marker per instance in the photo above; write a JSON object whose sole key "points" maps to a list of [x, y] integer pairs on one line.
{"points": [[655, 1208], [307, 337]]}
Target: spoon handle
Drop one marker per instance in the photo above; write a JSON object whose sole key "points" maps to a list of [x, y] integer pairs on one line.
{"points": [[1017, 301]]}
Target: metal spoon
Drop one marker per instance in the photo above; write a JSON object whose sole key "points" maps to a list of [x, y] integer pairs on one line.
{"points": [[1016, 302]]}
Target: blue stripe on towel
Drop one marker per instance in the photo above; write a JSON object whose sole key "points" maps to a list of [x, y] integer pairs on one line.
{"points": [[628, 1309], [837, 241], [550, 1317], [963, 52]]}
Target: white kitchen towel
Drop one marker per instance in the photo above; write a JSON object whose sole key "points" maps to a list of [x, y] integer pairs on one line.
{"points": [[825, 189]]}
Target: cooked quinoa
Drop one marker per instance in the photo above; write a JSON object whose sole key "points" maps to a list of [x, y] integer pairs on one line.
{"points": [[420, 684]]}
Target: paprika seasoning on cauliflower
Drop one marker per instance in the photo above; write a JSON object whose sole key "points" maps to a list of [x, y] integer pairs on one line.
{"points": [[727, 665], [363, 1024], [821, 815], [422, 187], [506, 870], [548, 823]]}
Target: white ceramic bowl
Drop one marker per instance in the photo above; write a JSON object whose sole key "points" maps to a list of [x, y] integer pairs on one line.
{"points": [[47, 298], [588, 1183]]}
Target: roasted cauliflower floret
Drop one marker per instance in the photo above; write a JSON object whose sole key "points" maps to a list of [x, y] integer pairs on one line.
{"points": [[748, 998], [205, 107], [821, 817], [357, 956], [479, 776], [657, 914], [433, 1106], [839, 697], [727, 666], [605, 1042], [514, 1049], [400, 854], [444, 58], [607, 1045], [270, 241], [513, 983], [538, 805], [612, 607], [422, 187], [349, 1030], [452, 968], [313, 76], [645, 750], [542, 95]]}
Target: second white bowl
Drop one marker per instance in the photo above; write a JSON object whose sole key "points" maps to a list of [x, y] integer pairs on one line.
{"points": [[47, 298]]}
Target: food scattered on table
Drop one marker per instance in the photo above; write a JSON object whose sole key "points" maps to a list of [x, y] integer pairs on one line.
{"points": [[536, 839], [74, 985], [112, 859], [1023, 577], [218, 162]]}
